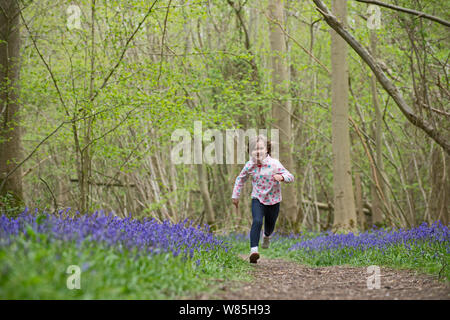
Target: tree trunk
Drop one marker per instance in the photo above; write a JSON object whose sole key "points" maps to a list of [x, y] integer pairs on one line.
{"points": [[10, 131], [156, 189], [173, 182], [203, 184], [359, 201], [439, 200], [377, 206], [281, 112], [344, 202]]}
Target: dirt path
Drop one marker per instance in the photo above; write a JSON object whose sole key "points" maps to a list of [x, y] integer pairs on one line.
{"points": [[279, 279]]}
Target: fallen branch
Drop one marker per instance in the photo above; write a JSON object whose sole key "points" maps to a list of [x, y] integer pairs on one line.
{"points": [[325, 206], [105, 184]]}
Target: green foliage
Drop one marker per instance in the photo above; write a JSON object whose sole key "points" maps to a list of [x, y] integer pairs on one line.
{"points": [[10, 204], [204, 71]]}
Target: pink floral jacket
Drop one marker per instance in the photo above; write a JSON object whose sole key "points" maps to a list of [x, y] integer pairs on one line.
{"points": [[265, 188]]}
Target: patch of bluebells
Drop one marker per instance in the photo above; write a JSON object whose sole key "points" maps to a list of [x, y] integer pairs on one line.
{"points": [[148, 236], [381, 239]]}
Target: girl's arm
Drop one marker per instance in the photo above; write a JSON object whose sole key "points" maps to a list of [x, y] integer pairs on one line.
{"points": [[287, 176], [240, 180]]}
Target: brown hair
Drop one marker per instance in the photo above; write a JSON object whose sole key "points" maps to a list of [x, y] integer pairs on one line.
{"points": [[253, 141]]}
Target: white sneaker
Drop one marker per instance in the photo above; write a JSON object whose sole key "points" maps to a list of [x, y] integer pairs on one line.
{"points": [[254, 255]]}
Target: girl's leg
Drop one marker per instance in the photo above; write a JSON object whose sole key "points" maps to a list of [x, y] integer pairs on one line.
{"points": [[271, 218], [257, 214]]}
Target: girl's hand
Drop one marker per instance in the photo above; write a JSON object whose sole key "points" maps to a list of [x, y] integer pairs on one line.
{"points": [[236, 202], [278, 177]]}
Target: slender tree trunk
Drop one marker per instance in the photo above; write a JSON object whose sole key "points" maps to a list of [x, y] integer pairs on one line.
{"points": [[359, 201], [10, 131], [344, 201], [377, 206], [156, 189], [439, 200], [173, 182], [281, 112], [164, 182], [84, 172], [410, 180], [62, 186], [203, 184]]}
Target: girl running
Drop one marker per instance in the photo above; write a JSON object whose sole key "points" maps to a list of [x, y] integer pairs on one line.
{"points": [[267, 173]]}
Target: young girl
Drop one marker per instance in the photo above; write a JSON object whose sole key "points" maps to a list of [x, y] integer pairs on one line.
{"points": [[267, 173]]}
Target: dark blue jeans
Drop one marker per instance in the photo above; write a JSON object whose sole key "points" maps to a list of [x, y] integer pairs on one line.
{"points": [[270, 215]]}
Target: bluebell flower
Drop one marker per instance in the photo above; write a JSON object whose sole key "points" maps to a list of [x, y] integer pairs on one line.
{"points": [[375, 239], [146, 235]]}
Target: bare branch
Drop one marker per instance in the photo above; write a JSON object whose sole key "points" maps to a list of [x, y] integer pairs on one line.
{"points": [[163, 38], [105, 81]]}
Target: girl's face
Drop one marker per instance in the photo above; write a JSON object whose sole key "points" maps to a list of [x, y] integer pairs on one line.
{"points": [[260, 151]]}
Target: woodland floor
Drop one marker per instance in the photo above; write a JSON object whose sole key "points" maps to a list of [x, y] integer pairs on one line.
{"points": [[276, 279]]}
